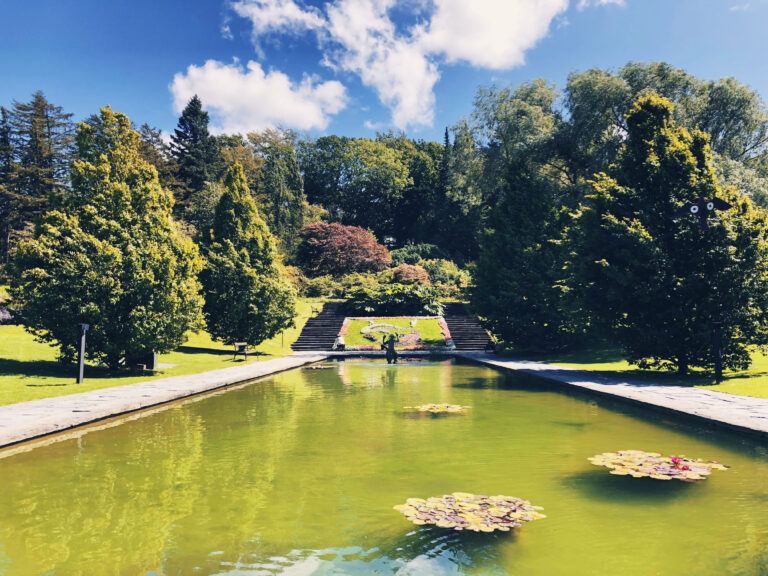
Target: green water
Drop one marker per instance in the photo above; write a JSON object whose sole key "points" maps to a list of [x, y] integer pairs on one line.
{"points": [[298, 474]]}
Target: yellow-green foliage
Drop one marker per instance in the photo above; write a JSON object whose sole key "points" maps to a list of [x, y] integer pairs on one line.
{"points": [[113, 258]]}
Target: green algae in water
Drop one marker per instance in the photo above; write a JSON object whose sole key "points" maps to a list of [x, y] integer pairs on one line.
{"points": [[300, 472]]}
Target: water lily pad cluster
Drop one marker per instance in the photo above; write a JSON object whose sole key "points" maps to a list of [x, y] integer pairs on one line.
{"points": [[439, 408], [464, 511], [639, 464]]}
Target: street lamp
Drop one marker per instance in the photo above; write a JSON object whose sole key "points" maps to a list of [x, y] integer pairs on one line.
{"points": [[83, 330]]}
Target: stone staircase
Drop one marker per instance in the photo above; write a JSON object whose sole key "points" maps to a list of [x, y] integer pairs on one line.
{"points": [[466, 331], [320, 331]]}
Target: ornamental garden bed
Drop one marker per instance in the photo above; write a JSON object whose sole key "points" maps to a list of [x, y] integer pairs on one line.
{"points": [[413, 332]]}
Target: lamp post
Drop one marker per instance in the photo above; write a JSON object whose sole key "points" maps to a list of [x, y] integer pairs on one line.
{"points": [[81, 367]]}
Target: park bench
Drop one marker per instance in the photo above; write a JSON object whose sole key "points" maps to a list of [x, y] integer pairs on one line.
{"points": [[241, 348]]}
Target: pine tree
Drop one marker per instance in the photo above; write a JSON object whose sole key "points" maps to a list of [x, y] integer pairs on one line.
{"points": [[113, 258], [42, 142], [197, 154], [246, 297], [8, 212]]}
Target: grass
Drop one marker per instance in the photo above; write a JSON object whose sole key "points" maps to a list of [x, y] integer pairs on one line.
{"points": [[431, 333], [609, 361], [29, 371]]}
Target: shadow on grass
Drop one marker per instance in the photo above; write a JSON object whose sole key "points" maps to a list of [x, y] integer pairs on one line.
{"points": [[214, 351]]}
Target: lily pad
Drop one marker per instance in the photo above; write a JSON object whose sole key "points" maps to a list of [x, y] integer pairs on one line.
{"points": [[465, 511], [639, 464], [439, 408]]}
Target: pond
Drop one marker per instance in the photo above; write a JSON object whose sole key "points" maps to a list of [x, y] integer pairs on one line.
{"points": [[298, 474]]}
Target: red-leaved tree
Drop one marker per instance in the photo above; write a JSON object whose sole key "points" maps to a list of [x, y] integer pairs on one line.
{"points": [[335, 249], [410, 274]]}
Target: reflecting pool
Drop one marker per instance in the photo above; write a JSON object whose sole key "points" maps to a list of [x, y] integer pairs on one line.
{"points": [[298, 473]]}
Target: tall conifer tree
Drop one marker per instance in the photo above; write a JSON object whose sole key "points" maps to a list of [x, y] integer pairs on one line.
{"points": [[195, 150], [246, 297]]}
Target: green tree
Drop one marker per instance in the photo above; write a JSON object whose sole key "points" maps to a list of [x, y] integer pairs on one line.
{"points": [[519, 271], [656, 283], [280, 194], [113, 258], [246, 296], [36, 164], [196, 152], [8, 203]]}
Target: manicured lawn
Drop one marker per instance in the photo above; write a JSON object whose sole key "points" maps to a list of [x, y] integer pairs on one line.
{"points": [[608, 361], [431, 333], [28, 369]]}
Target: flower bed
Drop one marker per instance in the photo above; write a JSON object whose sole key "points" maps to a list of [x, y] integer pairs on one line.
{"points": [[413, 332]]}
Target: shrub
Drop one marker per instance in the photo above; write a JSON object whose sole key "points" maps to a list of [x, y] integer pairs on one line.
{"points": [[446, 272], [410, 274], [335, 249], [322, 287], [395, 300], [415, 253]]}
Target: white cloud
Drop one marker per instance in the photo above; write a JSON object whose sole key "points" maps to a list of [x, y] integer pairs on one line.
{"points": [[489, 33], [364, 41], [399, 62], [740, 7], [248, 99], [592, 3], [277, 16]]}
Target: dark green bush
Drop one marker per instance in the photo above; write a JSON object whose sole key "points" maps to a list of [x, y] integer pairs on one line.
{"points": [[395, 300], [415, 253], [446, 272]]}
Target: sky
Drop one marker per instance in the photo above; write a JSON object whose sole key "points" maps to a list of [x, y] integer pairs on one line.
{"points": [[351, 67]]}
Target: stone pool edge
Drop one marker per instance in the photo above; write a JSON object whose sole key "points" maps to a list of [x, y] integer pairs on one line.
{"points": [[743, 414], [35, 419]]}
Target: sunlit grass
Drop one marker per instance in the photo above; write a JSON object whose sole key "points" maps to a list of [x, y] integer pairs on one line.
{"points": [[609, 361], [29, 370], [429, 329]]}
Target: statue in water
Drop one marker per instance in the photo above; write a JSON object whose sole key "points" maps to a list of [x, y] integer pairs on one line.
{"points": [[389, 347]]}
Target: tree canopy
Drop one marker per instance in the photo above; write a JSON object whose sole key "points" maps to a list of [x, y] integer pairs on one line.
{"points": [[656, 283], [113, 257], [247, 298]]}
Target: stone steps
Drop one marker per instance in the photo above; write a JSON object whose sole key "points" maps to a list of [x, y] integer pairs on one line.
{"points": [[320, 331]]}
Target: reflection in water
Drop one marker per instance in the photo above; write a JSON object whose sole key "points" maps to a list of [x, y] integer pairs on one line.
{"points": [[298, 474]]}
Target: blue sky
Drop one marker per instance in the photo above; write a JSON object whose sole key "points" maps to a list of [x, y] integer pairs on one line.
{"points": [[351, 67]]}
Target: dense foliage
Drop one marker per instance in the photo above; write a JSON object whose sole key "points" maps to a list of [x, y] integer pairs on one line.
{"points": [[247, 299], [657, 283], [415, 253], [112, 257], [500, 197], [335, 249], [395, 300], [410, 274], [195, 152]]}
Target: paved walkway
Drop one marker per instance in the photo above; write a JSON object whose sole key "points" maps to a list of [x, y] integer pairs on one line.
{"points": [[27, 420], [741, 413]]}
